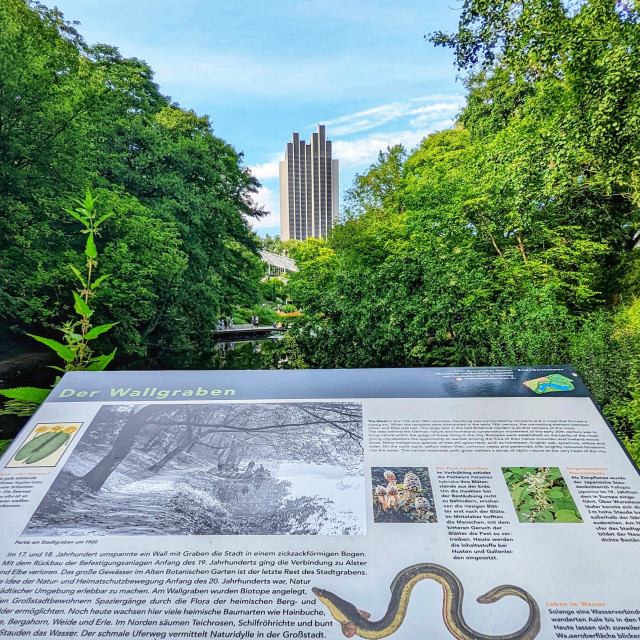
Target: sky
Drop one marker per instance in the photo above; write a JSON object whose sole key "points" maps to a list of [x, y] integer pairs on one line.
{"points": [[262, 70]]}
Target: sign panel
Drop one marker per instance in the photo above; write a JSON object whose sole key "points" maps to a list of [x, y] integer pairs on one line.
{"points": [[471, 503]]}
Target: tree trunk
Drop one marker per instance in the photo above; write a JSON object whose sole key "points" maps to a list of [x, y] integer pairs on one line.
{"points": [[122, 445], [521, 246], [187, 440]]}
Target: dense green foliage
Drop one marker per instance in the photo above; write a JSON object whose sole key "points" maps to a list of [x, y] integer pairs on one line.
{"points": [[512, 237], [78, 332], [540, 494], [73, 117], [273, 289]]}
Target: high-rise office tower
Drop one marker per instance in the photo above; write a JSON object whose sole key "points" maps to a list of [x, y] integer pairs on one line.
{"points": [[308, 188]]}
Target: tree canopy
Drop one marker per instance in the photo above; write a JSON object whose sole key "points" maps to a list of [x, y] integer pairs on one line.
{"points": [[74, 116], [511, 238]]}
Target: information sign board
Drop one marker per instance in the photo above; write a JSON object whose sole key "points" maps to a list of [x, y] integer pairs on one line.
{"points": [[471, 503]]}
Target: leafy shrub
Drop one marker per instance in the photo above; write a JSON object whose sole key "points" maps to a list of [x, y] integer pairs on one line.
{"points": [[265, 313], [540, 494], [289, 308], [272, 288]]}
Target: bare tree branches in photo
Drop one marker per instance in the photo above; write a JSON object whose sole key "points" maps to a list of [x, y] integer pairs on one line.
{"points": [[247, 458]]}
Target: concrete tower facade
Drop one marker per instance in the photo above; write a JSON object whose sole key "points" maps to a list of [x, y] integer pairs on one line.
{"points": [[309, 184]]}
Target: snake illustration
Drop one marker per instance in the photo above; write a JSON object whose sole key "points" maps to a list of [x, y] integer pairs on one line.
{"points": [[354, 621]]}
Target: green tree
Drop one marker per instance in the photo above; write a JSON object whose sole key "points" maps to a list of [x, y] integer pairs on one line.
{"points": [[44, 102], [71, 116], [580, 62]]}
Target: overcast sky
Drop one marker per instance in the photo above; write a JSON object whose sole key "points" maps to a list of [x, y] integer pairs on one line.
{"points": [[262, 70]]}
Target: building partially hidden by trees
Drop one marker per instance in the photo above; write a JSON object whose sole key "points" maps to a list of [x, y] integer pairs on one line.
{"points": [[512, 238], [309, 197], [277, 265]]}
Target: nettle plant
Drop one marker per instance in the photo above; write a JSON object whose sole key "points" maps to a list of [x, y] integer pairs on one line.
{"points": [[75, 349], [540, 494]]}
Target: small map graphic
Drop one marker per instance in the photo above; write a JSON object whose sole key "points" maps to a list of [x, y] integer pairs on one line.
{"points": [[547, 384]]}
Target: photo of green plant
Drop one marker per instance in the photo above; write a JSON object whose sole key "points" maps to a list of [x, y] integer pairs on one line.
{"points": [[540, 494]]}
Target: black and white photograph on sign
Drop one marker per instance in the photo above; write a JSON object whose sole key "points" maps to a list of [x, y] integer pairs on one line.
{"points": [[212, 469]]}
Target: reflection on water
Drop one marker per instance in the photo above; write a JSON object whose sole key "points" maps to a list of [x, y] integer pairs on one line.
{"points": [[190, 499], [249, 354]]}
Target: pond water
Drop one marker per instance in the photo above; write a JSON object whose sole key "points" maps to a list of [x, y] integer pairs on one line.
{"points": [[249, 354]]}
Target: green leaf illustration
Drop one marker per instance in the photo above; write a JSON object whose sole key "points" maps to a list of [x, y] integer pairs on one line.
{"points": [[47, 448], [35, 444]]}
